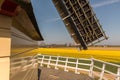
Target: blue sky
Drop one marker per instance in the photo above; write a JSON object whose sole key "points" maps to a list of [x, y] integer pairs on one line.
{"points": [[54, 31]]}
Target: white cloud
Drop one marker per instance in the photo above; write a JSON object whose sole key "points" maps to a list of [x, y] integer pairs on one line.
{"points": [[106, 2], [53, 20]]}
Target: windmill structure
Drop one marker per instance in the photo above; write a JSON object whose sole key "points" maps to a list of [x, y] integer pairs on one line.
{"points": [[19, 31]]}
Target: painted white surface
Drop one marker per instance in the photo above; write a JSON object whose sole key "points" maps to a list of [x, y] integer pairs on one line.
{"points": [[4, 68], [4, 46]]}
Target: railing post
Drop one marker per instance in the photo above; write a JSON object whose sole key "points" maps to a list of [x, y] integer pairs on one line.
{"points": [[57, 62], [48, 66], [66, 62], [76, 68], [118, 74], [103, 70], [41, 64], [91, 68]]}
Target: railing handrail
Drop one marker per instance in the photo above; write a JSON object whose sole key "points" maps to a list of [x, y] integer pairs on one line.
{"points": [[85, 59], [106, 62]]}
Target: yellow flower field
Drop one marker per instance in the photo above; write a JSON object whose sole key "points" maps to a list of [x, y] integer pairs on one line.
{"points": [[106, 55]]}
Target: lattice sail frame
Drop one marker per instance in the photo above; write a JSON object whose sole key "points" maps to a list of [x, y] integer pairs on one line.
{"points": [[80, 21]]}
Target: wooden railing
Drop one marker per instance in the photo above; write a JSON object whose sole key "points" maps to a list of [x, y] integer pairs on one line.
{"points": [[93, 67]]}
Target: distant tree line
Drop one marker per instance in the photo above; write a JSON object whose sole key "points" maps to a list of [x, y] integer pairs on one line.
{"points": [[43, 44]]}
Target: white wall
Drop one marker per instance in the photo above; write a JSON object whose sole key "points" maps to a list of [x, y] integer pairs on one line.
{"points": [[5, 44]]}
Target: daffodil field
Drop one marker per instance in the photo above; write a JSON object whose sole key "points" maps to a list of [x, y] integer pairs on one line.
{"points": [[105, 55]]}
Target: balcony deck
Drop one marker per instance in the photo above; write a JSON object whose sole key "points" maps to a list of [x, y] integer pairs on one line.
{"points": [[52, 74]]}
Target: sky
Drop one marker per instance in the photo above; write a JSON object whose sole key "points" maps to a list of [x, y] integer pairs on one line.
{"points": [[54, 31]]}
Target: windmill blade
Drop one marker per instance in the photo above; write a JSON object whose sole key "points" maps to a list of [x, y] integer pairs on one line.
{"points": [[80, 21]]}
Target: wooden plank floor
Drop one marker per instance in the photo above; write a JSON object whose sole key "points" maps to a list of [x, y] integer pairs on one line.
{"points": [[48, 74], [52, 74]]}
